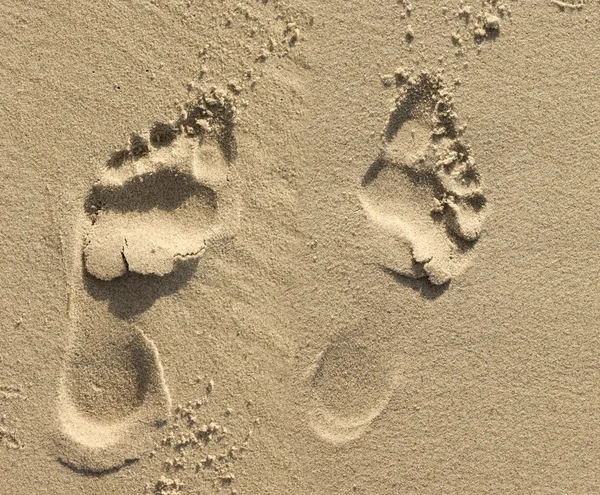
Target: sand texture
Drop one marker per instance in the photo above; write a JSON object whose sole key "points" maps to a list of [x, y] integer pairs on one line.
{"points": [[308, 248]]}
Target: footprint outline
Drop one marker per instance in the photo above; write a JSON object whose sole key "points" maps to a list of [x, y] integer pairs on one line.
{"points": [[197, 151]]}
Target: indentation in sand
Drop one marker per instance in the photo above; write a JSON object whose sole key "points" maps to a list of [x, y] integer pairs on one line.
{"points": [[110, 399], [422, 195], [351, 384]]}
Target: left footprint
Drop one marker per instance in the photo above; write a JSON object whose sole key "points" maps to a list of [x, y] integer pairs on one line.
{"points": [[112, 398], [145, 225]]}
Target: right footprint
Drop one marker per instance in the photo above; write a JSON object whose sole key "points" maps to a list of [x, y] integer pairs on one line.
{"points": [[423, 194], [156, 208], [351, 383]]}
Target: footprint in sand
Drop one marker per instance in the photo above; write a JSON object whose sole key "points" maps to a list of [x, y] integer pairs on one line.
{"points": [[351, 383], [157, 207], [425, 207], [423, 195]]}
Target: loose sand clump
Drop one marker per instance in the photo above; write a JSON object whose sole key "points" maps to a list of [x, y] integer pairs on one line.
{"points": [[200, 446]]}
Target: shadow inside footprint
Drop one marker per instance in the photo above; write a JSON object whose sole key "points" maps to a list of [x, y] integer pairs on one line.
{"points": [[132, 294], [421, 285], [164, 189]]}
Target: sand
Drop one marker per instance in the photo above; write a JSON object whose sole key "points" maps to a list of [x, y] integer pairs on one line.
{"points": [[255, 247]]}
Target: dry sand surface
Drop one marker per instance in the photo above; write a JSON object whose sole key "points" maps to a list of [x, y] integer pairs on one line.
{"points": [[318, 247]]}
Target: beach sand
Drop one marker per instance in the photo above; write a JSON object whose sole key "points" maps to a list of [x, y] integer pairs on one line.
{"points": [[255, 247]]}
